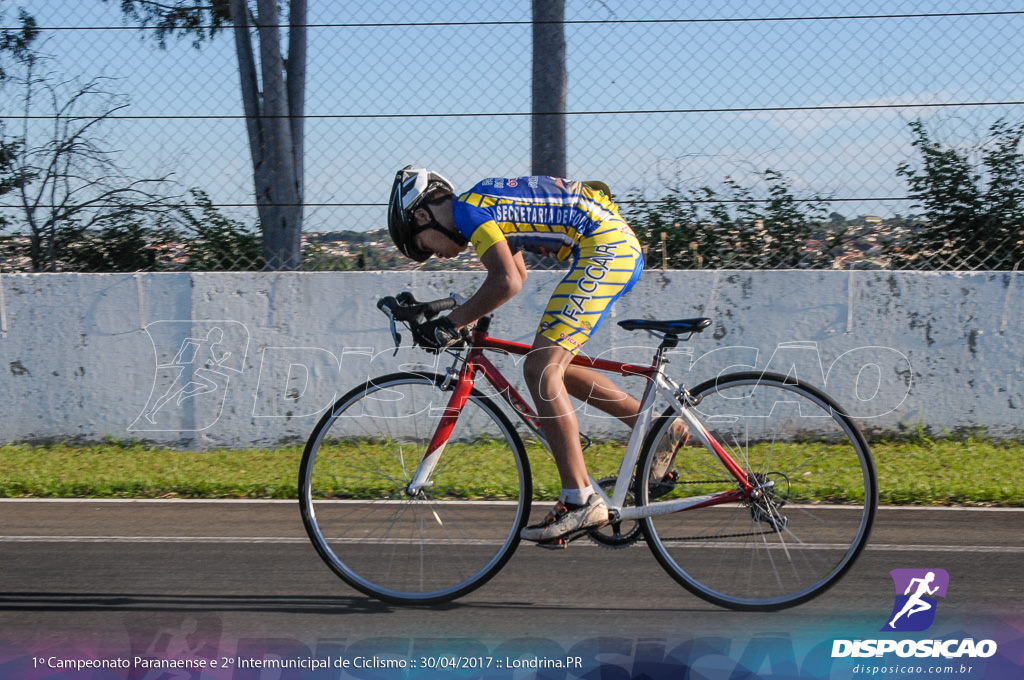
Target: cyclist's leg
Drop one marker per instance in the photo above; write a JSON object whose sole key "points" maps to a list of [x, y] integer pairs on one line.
{"points": [[544, 370], [598, 390], [578, 508], [608, 263]]}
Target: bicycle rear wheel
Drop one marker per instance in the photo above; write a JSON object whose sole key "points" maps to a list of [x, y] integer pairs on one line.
{"points": [[811, 522], [446, 540]]}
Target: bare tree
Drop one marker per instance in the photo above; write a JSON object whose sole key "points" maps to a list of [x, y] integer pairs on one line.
{"points": [[550, 85], [67, 182], [273, 87]]}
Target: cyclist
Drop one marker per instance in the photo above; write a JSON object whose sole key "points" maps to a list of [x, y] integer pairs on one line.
{"points": [[501, 218]]}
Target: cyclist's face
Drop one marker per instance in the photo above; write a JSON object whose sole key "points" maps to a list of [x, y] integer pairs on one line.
{"points": [[433, 239], [438, 243]]}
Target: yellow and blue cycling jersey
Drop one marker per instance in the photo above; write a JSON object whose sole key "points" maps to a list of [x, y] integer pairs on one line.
{"points": [[553, 216], [543, 215]]}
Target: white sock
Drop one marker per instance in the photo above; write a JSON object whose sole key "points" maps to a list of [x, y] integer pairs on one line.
{"points": [[577, 496]]}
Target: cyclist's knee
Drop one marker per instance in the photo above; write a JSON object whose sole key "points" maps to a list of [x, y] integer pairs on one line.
{"points": [[544, 377], [537, 369], [544, 368]]}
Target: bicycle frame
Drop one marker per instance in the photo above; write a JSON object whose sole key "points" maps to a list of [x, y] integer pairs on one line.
{"points": [[476, 362]]}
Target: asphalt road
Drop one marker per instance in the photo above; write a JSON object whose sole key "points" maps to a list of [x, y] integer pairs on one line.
{"points": [[112, 573]]}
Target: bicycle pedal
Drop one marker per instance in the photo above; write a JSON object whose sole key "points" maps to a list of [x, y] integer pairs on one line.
{"points": [[563, 542]]}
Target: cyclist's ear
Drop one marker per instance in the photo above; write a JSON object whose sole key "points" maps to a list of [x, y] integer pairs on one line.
{"points": [[421, 217]]}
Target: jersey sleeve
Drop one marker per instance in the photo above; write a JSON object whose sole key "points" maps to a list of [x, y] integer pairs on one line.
{"points": [[475, 223]]}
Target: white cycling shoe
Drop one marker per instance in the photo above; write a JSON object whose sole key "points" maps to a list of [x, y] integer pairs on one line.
{"points": [[566, 521]]}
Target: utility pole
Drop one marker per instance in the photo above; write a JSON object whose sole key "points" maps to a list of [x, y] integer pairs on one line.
{"points": [[550, 85]]}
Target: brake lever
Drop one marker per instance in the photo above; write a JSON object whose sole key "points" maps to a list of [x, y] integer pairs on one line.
{"points": [[394, 329], [413, 313]]}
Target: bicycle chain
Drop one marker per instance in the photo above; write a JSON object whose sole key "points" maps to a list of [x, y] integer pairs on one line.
{"points": [[634, 537], [716, 536]]}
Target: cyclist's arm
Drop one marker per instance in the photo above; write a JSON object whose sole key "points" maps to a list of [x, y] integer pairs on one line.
{"points": [[505, 276], [520, 265]]}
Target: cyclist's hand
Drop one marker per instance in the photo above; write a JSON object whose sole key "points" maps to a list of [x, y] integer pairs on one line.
{"points": [[437, 334]]}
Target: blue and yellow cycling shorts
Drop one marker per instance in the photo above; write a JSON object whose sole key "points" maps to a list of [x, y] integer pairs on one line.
{"points": [[608, 262]]}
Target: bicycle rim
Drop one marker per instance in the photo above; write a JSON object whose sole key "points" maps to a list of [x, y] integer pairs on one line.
{"points": [[818, 505], [449, 539]]}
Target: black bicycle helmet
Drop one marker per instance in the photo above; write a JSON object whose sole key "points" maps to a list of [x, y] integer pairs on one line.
{"points": [[411, 188]]}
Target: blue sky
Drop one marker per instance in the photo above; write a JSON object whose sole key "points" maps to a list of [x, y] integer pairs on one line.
{"points": [[658, 102]]}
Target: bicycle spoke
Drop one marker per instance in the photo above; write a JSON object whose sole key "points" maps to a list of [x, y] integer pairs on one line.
{"points": [[440, 543], [816, 497]]}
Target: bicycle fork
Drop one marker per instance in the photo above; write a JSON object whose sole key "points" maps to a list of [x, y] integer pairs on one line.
{"points": [[463, 385]]}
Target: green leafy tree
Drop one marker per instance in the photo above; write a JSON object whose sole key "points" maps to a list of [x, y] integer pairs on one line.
{"points": [[130, 243], [63, 180], [216, 242], [972, 201], [59, 182], [691, 228], [12, 175], [17, 42], [14, 43]]}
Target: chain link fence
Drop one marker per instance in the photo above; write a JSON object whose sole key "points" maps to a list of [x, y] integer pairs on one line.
{"points": [[748, 134]]}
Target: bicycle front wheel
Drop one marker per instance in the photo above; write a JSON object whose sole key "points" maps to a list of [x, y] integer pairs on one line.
{"points": [[442, 542], [800, 533]]}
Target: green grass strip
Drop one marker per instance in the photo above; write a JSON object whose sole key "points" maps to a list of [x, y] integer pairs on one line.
{"points": [[138, 471], [971, 471]]}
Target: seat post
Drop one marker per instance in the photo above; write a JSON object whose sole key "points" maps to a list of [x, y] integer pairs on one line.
{"points": [[668, 341]]}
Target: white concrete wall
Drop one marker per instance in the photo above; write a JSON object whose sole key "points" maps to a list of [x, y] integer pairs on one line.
{"points": [[87, 356]]}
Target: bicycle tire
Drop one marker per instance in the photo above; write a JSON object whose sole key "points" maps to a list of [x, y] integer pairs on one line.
{"points": [[807, 530], [443, 543]]}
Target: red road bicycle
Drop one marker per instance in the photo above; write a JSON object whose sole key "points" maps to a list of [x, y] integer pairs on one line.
{"points": [[414, 485]]}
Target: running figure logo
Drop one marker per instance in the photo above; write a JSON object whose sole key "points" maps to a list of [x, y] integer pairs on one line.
{"points": [[195, 362], [916, 589]]}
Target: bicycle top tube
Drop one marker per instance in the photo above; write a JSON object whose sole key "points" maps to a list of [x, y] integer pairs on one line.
{"points": [[407, 309], [482, 341]]}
